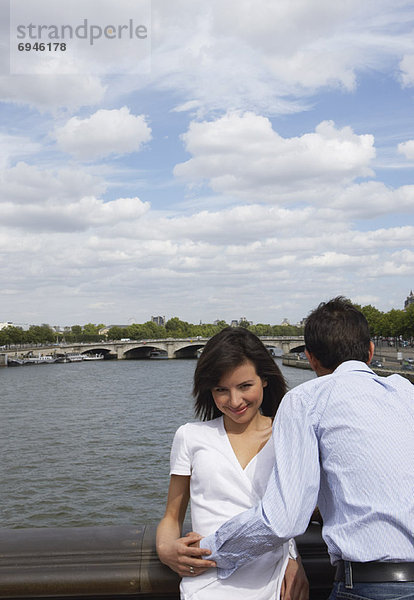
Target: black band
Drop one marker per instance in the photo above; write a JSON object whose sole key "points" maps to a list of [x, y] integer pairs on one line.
{"points": [[376, 572]]}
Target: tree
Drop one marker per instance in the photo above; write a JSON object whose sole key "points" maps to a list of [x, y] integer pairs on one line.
{"points": [[243, 323], [90, 329], [375, 319], [177, 328], [40, 334], [408, 322], [394, 322], [12, 335], [117, 333], [261, 329]]}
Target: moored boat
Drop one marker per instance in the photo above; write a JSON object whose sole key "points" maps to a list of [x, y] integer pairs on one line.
{"points": [[68, 358], [40, 360], [93, 356], [15, 362]]}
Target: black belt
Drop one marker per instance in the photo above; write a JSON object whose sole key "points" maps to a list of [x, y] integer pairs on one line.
{"points": [[375, 572]]}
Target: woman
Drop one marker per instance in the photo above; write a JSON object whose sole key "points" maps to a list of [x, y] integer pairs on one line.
{"points": [[222, 465]]}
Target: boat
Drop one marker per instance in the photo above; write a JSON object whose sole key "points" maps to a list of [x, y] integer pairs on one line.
{"points": [[93, 356], [40, 360], [158, 354], [75, 357], [68, 358], [15, 362]]}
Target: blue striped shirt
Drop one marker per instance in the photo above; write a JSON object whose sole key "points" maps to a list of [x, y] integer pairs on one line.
{"points": [[344, 442]]}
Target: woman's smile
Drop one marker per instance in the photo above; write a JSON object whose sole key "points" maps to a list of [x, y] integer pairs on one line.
{"points": [[239, 394]]}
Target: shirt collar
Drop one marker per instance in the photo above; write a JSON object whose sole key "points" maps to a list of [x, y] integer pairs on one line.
{"points": [[353, 365]]}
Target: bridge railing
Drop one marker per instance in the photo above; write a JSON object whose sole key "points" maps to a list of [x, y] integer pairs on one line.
{"points": [[112, 563]]}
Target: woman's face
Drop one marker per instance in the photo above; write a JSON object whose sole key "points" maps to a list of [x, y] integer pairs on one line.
{"points": [[239, 393]]}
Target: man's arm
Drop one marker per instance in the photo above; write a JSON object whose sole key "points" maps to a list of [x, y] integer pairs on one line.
{"points": [[290, 497]]}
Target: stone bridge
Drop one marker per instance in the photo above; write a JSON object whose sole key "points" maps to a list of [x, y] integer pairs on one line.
{"points": [[150, 348]]}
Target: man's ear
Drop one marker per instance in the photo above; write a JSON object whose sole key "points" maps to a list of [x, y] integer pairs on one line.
{"points": [[371, 352]]}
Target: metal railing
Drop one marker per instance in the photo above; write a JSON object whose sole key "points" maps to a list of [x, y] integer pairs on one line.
{"points": [[112, 563]]}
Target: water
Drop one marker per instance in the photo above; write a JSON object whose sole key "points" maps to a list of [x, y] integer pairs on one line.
{"points": [[88, 443]]}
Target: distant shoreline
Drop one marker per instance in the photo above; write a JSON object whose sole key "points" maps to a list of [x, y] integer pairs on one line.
{"points": [[292, 361]]}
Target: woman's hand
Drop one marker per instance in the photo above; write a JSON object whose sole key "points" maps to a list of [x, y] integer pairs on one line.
{"points": [[295, 584], [184, 558]]}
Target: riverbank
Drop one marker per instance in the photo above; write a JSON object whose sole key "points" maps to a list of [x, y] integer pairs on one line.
{"points": [[391, 365]]}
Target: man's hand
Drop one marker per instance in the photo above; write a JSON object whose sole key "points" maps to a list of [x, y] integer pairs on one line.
{"points": [[295, 585], [184, 558]]}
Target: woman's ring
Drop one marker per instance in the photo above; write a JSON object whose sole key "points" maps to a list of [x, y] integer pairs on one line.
{"points": [[192, 570]]}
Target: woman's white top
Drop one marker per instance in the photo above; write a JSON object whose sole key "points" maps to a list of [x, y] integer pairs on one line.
{"points": [[219, 489]]}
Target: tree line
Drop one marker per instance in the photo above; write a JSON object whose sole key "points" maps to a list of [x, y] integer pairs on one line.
{"points": [[173, 328], [395, 324]]}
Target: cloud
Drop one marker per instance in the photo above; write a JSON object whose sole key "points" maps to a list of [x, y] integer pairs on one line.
{"points": [[26, 184], [224, 55], [407, 70], [407, 148], [34, 199], [104, 133], [242, 155], [74, 216], [266, 215], [50, 92], [370, 199], [275, 58], [333, 260], [229, 261], [15, 147]]}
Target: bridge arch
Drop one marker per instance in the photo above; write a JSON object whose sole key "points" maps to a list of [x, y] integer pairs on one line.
{"points": [[144, 351]]}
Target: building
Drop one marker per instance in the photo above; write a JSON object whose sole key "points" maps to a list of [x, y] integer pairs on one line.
{"points": [[237, 323], [6, 324], [409, 300], [158, 320]]}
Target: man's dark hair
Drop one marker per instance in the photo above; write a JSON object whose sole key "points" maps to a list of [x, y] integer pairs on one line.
{"points": [[226, 351], [337, 331]]}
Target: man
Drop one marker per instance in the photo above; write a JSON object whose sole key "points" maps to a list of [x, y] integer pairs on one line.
{"points": [[343, 442]]}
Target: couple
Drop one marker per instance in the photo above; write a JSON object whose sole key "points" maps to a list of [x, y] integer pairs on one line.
{"points": [[343, 441]]}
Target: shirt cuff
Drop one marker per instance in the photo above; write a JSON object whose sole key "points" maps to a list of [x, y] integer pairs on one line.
{"points": [[293, 551], [210, 543]]}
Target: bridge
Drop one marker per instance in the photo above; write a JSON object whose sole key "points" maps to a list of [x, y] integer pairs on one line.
{"points": [[149, 348]]}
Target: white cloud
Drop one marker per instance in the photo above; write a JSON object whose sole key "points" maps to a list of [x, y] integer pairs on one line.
{"points": [[26, 184], [288, 219], [50, 92], [407, 148], [333, 260], [231, 261], [15, 147], [222, 55], [105, 132], [241, 154], [372, 198], [407, 70], [74, 216], [34, 199], [272, 58]]}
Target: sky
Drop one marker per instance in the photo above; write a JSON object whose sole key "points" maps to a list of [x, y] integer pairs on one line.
{"points": [[243, 160]]}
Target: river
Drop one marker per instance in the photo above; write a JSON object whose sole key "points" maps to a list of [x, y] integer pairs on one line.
{"points": [[88, 443]]}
